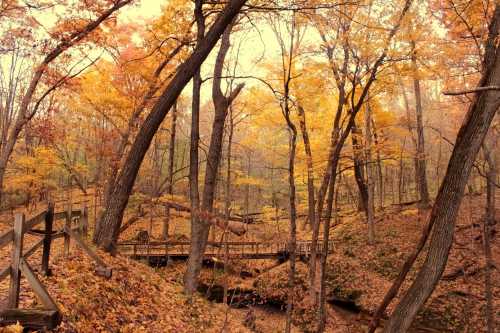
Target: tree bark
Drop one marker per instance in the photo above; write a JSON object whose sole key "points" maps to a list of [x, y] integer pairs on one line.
{"points": [[293, 224], [420, 172], [171, 160], [370, 207], [113, 214], [332, 196], [310, 168], [358, 168], [445, 210], [190, 282], [200, 231], [489, 221]]}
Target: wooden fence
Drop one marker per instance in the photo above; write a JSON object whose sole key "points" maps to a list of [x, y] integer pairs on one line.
{"points": [[75, 227]]}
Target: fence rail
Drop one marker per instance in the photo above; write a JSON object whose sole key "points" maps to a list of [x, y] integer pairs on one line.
{"points": [[50, 316]]}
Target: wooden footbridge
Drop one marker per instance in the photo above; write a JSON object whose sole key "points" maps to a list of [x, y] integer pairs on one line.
{"points": [[156, 250]]}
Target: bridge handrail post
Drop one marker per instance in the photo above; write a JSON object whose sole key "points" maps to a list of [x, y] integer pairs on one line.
{"points": [[17, 253], [49, 220]]}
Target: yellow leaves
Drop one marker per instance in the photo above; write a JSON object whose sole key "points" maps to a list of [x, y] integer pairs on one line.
{"points": [[17, 328], [172, 197], [251, 181], [32, 172]]}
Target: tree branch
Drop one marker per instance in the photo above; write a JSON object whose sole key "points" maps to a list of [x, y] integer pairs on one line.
{"points": [[471, 91]]}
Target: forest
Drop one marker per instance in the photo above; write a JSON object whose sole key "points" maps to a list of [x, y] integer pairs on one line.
{"points": [[249, 166]]}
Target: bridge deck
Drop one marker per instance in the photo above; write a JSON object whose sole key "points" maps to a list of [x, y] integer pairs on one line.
{"points": [[235, 250]]}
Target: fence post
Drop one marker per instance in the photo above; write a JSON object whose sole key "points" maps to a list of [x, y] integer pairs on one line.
{"points": [[84, 221], [17, 252], [49, 220], [67, 224]]}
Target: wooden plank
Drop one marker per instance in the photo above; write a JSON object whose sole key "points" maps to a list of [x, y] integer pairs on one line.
{"points": [[38, 287], [63, 215], [84, 221], [4, 273], [47, 240], [67, 224], [6, 238], [34, 221], [90, 252], [60, 215], [17, 251], [57, 235], [33, 249], [31, 319]]}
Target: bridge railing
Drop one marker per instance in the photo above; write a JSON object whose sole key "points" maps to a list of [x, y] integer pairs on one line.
{"points": [[146, 248]]}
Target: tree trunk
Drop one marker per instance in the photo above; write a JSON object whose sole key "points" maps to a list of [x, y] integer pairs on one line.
{"points": [[401, 173], [113, 214], [171, 159], [310, 169], [370, 207], [293, 225], [380, 175], [332, 194], [200, 231], [445, 209], [489, 221], [358, 168], [228, 197], [420, 172], [192, 269]]}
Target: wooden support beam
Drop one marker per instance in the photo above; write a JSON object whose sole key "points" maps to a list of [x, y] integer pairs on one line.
{"points": [[6, 238], [4, 273], [33, 249], [17, 252], [34, 221], [37, 286], [67, 225], [31, 319], [47, 240], [102, 268]]}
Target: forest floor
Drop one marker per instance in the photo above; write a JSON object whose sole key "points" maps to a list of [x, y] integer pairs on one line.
{"points": [[139, 298]]}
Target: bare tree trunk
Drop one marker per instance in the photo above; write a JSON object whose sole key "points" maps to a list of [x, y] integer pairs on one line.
{"points": [[445, 210], [113, 214], [228, 195], [332, 194], [310, 169], [293, 226], [420, 172], [246, 202], [489, 221], [380, 175], [400, 174], [200, 231], [370, 208], [171, 160], [193, 268], [358, 168]]}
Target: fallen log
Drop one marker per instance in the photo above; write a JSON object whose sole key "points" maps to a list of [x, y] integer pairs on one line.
{"points": [[237, 228]]}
